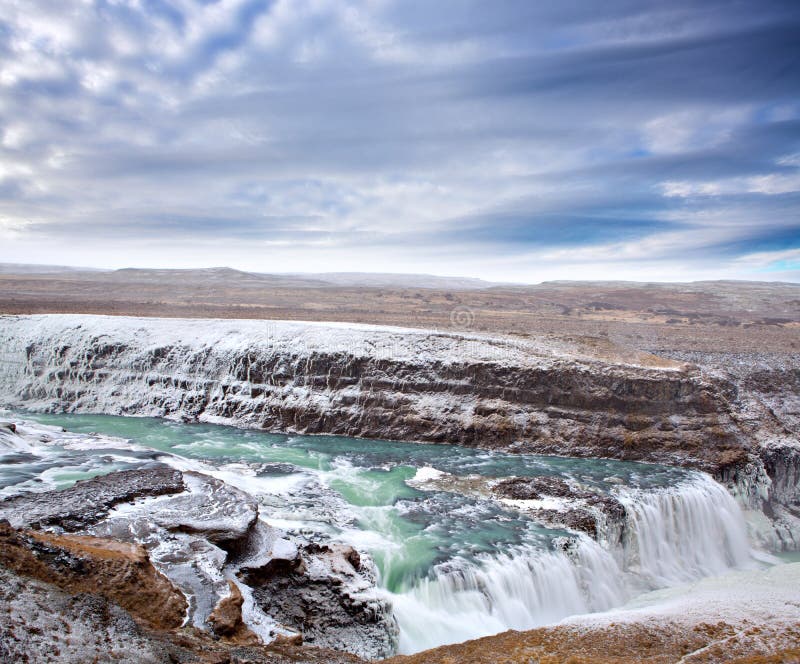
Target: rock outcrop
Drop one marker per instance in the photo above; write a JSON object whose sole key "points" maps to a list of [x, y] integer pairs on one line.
{"points": [[43, 624], [120, 572], [221, 513], [585, 511], [89, 501], [766, 413], [226, 619], [170, 553], [328, 596], [375, 382], [542, 396]]}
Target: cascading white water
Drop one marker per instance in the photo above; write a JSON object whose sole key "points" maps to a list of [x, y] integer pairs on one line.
{"points": [[521, 590], [683, 533], [670, 536]]}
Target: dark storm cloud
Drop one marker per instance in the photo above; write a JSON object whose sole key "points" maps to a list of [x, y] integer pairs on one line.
{"points": [[658, 129]]}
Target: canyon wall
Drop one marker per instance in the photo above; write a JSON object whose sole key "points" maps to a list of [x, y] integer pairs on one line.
{"points": [[542, 396]]}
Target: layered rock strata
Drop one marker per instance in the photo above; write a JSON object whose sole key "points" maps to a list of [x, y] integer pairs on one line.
{"points": [[372, 382]]}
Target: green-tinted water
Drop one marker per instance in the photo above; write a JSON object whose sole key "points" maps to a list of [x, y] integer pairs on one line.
{"points": [[407, 530]]}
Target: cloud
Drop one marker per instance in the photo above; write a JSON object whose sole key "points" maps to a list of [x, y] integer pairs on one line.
{"points": [[511, 141]]}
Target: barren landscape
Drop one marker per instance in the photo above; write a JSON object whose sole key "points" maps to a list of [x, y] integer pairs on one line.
{"points": [[701, 316]]}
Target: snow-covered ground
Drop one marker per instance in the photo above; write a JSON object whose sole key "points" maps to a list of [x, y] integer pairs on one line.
{"points": [[768, 596]]}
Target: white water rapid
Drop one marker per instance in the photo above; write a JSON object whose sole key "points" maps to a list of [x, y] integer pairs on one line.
{"points": [[670, 536]]}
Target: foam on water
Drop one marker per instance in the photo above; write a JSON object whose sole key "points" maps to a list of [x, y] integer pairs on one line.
{"points": [[523, 589], [673, 535]]}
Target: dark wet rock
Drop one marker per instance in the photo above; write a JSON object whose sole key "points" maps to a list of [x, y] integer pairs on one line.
{"points": [[583, 510], [88, 501], [265, 551], [277, 468], [328, 596], [10, 426], [534, 488], [580, 520]]}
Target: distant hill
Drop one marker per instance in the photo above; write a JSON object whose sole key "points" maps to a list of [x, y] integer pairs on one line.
{"points": [[26, 268], [226, 276], [388, 279], [231, 276]]}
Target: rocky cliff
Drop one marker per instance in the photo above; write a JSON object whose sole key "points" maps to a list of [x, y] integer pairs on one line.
{"points": [[543, 396]]}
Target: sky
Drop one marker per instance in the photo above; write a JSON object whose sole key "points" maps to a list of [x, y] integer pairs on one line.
{"points": [[507, 140]]}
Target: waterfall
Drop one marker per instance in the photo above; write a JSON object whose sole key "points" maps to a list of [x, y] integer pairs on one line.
{"points": [[520, 590], [670, 536], [679, 534]]}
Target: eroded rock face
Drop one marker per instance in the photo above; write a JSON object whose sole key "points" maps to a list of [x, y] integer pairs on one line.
{"points": [[226, 618], [766, 411], [221, 513], [118, 571], [329, 597], [380, 383], [716, 412], [89, 501], [189, 537], [198, 532]]}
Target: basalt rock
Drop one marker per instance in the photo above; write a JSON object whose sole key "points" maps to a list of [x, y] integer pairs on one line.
{"points": [[765, 479], [88, 501], [327, 594], [41, 623], [221, 513], [524, 395], [581, 510], [535, 488], [198, 531]]}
